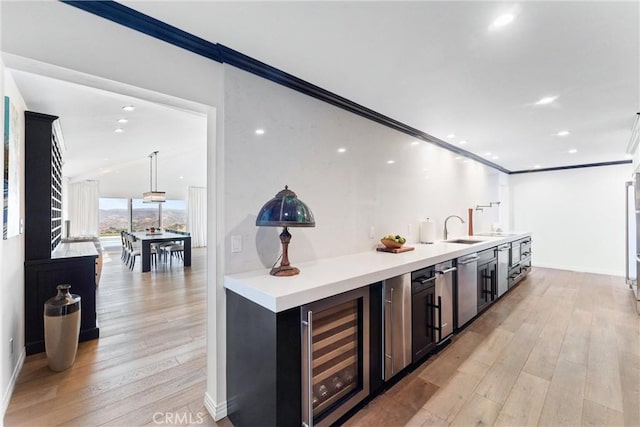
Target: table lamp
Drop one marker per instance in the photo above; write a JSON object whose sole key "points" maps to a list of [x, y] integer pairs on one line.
{"points": [[285, 210]]}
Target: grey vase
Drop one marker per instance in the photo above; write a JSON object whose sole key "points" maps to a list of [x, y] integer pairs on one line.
{"points": [[61, 328]]}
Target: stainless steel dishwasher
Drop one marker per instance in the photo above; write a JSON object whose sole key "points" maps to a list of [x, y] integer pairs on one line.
{"points": [[397, 324], [467, 289], [444, 298], [503, 268]]}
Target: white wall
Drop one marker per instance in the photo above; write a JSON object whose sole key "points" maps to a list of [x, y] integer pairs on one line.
{"points": [[576, 217], [66, 43], [347, 192], [11, 265]]}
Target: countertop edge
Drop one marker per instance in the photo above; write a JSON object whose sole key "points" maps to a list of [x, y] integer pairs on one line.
{"points": [[261, 288], [70, 250]]}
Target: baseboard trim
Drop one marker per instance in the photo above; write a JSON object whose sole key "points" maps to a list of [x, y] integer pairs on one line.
{"points": [[578, 269], [12, 383], [217, 410]]}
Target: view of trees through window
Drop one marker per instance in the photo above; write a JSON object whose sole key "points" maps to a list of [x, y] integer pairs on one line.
{"points": [[115, 216]]}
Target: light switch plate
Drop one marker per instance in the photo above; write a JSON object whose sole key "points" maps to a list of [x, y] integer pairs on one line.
{"points": [[236, 244]]}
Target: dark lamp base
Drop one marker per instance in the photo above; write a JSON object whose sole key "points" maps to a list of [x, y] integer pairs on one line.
{"points": [[284, 271]]}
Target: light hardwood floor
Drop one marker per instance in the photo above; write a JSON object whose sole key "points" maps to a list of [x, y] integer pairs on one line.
{"points": [[149, 361], [562, 348]]}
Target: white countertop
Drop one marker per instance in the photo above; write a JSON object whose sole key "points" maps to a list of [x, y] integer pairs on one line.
{"points": [[331, 276], [74, 250]]}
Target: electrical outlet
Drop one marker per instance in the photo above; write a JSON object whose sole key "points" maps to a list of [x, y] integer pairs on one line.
{"points": [[236, 244], [372, 232]]}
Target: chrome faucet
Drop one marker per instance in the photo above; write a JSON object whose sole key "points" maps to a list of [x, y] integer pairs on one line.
{"points": [[445, 224]]}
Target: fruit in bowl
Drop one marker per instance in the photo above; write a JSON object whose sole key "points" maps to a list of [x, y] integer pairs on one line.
{"points": [[391, 241]]}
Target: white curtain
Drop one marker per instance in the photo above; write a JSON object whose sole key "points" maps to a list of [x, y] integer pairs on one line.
{"points": [[83, 199], [197, 216]]}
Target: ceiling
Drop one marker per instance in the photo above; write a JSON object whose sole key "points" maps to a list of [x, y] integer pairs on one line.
{"points": [[439, 67], [435, 66], [119, 160]]}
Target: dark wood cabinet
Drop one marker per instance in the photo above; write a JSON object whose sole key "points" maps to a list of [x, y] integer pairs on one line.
{"points": [[376, 343], [43, 232], [41, 279], [43, 186], [267, 351], [264, 384], [423, 322]]}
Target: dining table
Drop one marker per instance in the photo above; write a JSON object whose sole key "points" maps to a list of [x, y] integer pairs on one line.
{"points": [[147, 238]]}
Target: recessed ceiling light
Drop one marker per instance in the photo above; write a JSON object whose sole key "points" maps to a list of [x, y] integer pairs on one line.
{"points": [[181, 177], [495, 157], [259, 131], [488, 153], [119, 130], [123, 121], [501, 21], [546, 100], [457, 157], [342, 150], [451, 135], [563, 133], [573, 151], [128, 108], [536, 166], [463, 142], [415, 143], [390, 162]]}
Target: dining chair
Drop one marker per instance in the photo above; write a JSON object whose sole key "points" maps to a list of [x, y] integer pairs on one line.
{"points": [[123, 254], [134, 249], [175, 249]]}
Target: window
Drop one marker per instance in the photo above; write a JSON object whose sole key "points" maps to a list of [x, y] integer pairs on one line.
{"points": [[113, 216], [144, 215], [174, 215]]}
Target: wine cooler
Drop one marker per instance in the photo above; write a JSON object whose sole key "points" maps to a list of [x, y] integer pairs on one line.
{"points": [[335, 356]]}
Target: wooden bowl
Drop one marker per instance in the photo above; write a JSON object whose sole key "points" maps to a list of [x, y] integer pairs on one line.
{"points": [[391, 243]]}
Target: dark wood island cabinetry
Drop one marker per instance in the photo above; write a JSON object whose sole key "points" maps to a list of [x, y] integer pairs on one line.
{"points": [[266, 379], [311, 350]]}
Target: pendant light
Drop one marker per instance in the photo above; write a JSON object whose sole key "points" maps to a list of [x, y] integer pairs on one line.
{"points": [[153, 195]]}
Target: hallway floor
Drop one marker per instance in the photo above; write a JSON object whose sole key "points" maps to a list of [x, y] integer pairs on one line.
{"points": [[561, 349], [148, 364]]}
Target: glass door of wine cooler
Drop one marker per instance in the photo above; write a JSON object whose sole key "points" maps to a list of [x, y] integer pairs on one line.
{"points": [[335, 356]]}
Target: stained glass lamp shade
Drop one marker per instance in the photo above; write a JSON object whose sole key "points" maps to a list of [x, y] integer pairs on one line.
{"points": [[285, 210]]}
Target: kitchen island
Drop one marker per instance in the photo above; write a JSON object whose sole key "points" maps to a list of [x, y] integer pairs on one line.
{"points": [[281, 354], [331, 276]]}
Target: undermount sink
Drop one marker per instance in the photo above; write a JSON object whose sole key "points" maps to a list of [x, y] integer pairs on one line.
{"points": [[464, 241]]}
